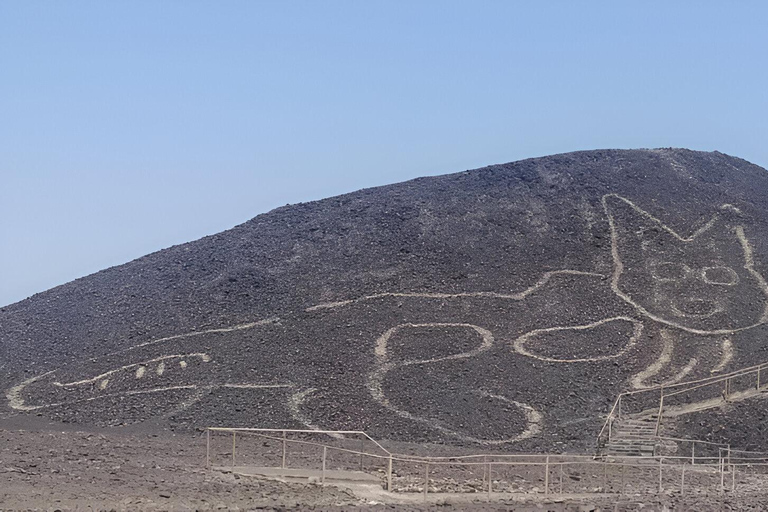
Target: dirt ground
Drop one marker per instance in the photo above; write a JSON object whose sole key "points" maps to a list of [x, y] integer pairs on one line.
{"points": [[45, 466]]}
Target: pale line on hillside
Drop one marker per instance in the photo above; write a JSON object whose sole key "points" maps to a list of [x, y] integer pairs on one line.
{"points": [[383, 366], [750, 266], [726, 358], [493, 295], [375, 386], [251, 386], [143, 364], [239, 327], [706, 227], [638, 381], [519, 343], [619, 265], [715, 311], [14, 394], [711, 403], [186, 404], [732, 273], [295, 402], [383, 340], [533, 416], [16, 402], [688, 368]]}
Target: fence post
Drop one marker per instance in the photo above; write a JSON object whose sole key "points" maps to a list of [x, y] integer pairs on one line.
{"points": [[284, 449], [722, 474], [682, 482], [426, 480], [729, 454], [362, 449], [485, 468], [605, 476], [618, 414], [693, 453], [389, 474], [623, 471], [208, 448], [758, 379], [490, 479], [733, 478], [233, 448], [546, 477], [660, 474], [561, 478], [325, 454], [661, 408]]}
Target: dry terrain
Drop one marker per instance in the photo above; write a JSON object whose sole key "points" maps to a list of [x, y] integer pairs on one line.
{"points": [[46, 468], [497, 309]]}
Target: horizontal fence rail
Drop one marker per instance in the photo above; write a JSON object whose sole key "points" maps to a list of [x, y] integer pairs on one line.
{"points": [[669, 400], [331, 453]]}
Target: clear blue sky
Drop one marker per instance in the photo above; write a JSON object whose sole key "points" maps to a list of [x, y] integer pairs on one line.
{"points": [[130, 126]]}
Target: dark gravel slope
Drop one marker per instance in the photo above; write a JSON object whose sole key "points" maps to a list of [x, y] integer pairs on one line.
{"points": [[443, 313]]}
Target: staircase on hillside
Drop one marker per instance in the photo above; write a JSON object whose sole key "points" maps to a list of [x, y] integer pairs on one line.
{"points": [[632, 437]]}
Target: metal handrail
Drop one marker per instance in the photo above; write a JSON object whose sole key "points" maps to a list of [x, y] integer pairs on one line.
{"points": [[446, 460], [674, 464], [302, 431], [689, 386]]}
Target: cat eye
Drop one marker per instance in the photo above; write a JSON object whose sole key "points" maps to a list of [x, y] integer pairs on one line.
{"points": [[670, 271], [719, 275]]}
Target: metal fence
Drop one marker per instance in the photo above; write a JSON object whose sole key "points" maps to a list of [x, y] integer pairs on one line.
{"points": [[327, 453], [665, 401]]}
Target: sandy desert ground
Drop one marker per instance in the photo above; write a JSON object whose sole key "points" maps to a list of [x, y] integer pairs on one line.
{"points": [[47, 466]]}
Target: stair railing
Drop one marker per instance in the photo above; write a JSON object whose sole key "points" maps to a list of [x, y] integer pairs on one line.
{"points": [[669, 390]]}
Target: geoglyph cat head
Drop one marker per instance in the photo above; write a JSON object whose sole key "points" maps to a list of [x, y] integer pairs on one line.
{"points": [[704, 282]]}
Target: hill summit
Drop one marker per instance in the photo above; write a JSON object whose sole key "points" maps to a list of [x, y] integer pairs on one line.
{"points": [[502, 306]]}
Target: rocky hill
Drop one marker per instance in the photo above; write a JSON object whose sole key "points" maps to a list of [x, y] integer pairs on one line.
{"points": [[501, 306]]}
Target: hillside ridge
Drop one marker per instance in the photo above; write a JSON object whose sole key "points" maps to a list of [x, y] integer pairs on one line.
{"points": [[505, 306]]}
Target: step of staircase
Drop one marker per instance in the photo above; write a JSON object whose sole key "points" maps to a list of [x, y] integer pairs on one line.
{"points": [[632, 437]]}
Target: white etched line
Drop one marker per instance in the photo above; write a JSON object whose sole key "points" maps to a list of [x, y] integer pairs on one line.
{"points": [[256, 386], [14, 394], [203, 357], [493, 295], [638, 381], [688, 368], [384, 366], [295, 401], [750, 266], [240, 327], [383, 340], [725, 358], [520, 348], [619, 265], [16, 402]]}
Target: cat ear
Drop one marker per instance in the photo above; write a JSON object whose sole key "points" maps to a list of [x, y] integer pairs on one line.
{"points": [[629, 220], [633, 225]]}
